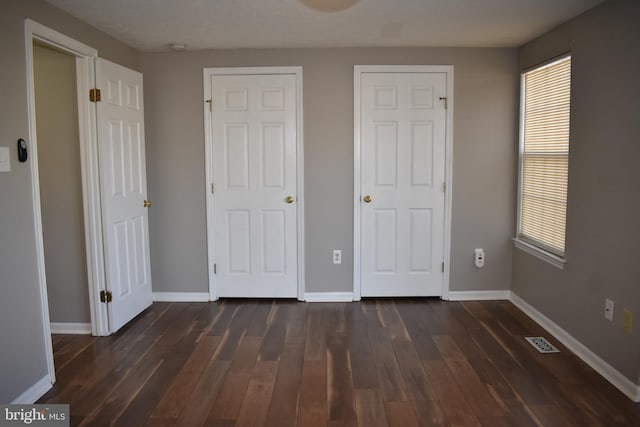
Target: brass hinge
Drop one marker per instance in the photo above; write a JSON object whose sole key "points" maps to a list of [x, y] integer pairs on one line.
{"points": [[215, 268], [446, 101], [210, 102], [105, 296], [443, 267], [95, 95]]}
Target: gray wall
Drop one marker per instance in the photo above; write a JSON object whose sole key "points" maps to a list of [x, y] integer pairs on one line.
{"points": [[603, 229], [485, 135], [22, 359], [60, 185]]}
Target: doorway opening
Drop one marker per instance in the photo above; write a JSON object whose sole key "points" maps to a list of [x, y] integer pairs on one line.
{"points": [[83, 58], [60, 183]]}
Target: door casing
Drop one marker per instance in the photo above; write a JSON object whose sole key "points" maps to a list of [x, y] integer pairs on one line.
{"points": [[358, 70], [85, 75], [211, 249]]}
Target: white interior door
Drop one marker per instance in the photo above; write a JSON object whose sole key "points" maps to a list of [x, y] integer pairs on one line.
{"points": [[254, 138], [402, 183], [120, 118]]}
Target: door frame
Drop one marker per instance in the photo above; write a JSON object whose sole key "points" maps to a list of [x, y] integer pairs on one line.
{"points": [[85, 76], [208, 135], [358, 71]]}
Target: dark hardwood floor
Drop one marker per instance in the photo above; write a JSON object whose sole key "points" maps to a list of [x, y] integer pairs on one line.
{"points": [[374, 363]]}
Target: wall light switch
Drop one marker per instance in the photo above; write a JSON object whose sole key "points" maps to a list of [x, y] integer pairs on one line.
{"points": [[5, 159]]}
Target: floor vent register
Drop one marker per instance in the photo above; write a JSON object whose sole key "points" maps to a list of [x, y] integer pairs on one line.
{"points": [[542, 345]]}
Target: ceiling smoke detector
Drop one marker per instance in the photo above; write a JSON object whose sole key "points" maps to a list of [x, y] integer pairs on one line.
{"points": [[178, 47], [329, 5]]}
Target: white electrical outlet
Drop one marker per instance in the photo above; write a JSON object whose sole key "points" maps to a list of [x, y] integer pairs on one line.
{"points": [[337, 256], [608, 309], [479, 257]]}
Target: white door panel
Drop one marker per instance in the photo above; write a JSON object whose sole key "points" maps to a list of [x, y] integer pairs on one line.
{"points": [[120, 118], [254, 138], [402, 170]]}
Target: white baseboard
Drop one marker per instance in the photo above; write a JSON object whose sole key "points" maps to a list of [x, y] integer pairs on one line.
{"points": [[328, 296], [622, 383], [181, 297], [70, 328], [35, 392], [478, 295]]}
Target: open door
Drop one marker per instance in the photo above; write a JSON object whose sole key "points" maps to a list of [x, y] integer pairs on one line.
{"points": [[123, 187]]}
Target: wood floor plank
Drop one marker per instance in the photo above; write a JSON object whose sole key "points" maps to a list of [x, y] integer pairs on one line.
{"points": [[469, 348], [400, 362], [273, 342], [402, 414], [176, 397], [550, 416], [336, 323], [313, 394], [228, 309], [339, 381], [515, 374], [391, 320], [235, 331], [389, 374], [244, 359], [283, 411], [259, 323], [255, 405], [449, 394], [412, 371], [150, 395], [159, 422], [429, 412], [229, 401], [415, 319], [316, 343], [363, 365], [370, 314], [370, 408], [67, 347], [85, 389], [296, 326], [474, 390], [204, 394], [125, 391], [502, 392]]}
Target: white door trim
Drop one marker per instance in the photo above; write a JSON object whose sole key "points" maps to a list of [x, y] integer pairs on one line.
{"points": [[207, 73], [85, 75], [358, 70]]}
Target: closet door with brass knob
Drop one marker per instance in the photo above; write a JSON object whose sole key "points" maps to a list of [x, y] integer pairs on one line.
{"points": [[254, 137], [402, 137]]}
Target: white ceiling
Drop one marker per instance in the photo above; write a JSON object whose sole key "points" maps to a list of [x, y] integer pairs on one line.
{"points": [[150, 25]]}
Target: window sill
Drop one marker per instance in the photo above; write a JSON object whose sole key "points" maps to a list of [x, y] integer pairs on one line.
{"points": [[552, 259]]}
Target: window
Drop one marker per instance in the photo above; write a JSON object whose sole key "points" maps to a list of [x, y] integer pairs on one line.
{"points": [[544, 160]]}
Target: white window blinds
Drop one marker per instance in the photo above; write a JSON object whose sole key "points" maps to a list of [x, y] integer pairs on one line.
{"points": [[544, 158]]}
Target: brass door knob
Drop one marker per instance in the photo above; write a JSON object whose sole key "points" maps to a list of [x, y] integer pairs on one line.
{"points": [[367, 199], [146, 203], [289, 199]]}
